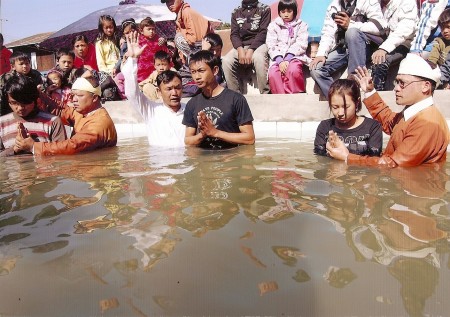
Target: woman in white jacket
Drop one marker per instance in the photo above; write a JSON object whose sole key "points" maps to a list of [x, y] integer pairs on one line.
{"points": [[287, 40]]}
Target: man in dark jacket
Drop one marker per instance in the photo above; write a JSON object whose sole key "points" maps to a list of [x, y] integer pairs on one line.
{"points": [[249, 24]]}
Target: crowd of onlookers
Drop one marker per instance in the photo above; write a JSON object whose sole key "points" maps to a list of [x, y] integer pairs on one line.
{"points": [[274, 50], [365, 37]]}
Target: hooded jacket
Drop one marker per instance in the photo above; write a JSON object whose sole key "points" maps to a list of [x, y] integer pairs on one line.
{"points": [[280, 43]]}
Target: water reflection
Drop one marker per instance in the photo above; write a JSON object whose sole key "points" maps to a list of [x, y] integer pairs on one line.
{"points": [[271, 229], [398, 218]]}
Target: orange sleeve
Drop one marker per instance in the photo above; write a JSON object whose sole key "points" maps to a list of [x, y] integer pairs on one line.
{"points": [[93, 133], [382, 113], [385, 161]]}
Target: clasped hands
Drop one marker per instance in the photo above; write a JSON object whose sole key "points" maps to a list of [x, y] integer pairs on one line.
{"points": [[245, 56], [24, 143], [206, 126]]}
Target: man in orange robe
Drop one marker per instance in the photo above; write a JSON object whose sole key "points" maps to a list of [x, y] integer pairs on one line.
{"points": [[92, 126]]}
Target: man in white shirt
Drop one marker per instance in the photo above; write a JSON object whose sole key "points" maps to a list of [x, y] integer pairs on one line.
{"points": [[164, 127]]}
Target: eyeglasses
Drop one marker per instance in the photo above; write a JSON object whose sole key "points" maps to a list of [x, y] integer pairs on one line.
{"points": [[403, 84]]}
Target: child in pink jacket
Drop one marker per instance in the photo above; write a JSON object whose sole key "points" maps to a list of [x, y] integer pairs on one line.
{"points": [[287, 41]]}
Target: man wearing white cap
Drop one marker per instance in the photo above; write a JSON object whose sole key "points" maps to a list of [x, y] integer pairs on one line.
{"points": [[419, 134], [92, 126]]}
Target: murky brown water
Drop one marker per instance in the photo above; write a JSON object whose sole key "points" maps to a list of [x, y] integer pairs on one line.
{"points": [[270, 230]]}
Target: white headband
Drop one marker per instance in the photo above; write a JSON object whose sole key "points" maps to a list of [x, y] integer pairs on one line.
{"points": [[83, 84]]}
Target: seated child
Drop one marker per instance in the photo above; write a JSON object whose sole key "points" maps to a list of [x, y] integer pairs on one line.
{"points": [[441, 47], [287, 41], [361, 135], [149, 85], [151, 43], [106, 45], [84, 53], [107, 54], [57, 87], [20, 64], [311, 51], [213, 42], [128, 26], [64, 64], [21, 95]]}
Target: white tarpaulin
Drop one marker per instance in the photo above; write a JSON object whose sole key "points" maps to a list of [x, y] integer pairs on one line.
{"points": [[159, 13]]}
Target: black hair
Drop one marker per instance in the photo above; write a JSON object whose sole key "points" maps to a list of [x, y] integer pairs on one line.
{"points": [[162, 55], [21, 88], [130, 22], [63, 52], [18, 56], [166, 77], [444, 18], [214, 39], [146, 22], [80, 37], [176, 59], [101, 34], [346, 87], [431, 81], [207, 57], [288, 4], [49, 82], [127, 22]]}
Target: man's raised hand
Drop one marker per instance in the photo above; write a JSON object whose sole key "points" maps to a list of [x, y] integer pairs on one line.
{"points": [[133, 48], [364, 79]]}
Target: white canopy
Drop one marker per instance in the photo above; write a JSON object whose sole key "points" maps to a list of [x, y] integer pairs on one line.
{"points": [[121, 12]]}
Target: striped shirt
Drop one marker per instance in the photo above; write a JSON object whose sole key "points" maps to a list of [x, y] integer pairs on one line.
{"points": [[41, 126]]}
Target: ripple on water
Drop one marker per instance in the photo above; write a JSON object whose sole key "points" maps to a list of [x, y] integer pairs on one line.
{"points": [[270, 229]]}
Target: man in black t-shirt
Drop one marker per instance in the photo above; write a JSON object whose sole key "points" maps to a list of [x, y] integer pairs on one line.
{"points": [[218, 118]]}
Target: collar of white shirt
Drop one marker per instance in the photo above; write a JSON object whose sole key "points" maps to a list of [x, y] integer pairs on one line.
{"points": [[417, 107], [411, 110], [180, 111]]}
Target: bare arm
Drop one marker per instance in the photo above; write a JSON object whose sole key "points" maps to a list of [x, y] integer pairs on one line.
{"points": [[245, 136], [192, 137]]}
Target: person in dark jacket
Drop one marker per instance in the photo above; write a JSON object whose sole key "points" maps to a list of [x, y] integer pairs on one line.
{"points": [[249, 24]]}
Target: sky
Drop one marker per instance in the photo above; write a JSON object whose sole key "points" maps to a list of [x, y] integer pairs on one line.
{"points": [[23, 18]]}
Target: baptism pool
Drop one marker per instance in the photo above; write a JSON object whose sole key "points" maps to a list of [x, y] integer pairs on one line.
{"points": [[264, 230]]}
